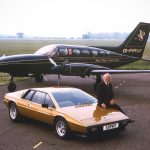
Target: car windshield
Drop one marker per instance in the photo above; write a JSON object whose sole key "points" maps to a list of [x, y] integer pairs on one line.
{"points": [[73, 97], [49, 50]]}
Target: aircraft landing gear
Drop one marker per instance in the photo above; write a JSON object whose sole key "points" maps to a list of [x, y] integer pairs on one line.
{"points": [[39, 78], [11, 86]]}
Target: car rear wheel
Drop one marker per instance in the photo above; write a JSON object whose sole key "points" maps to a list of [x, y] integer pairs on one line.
{"points": [[13, 113], [62, 128]]}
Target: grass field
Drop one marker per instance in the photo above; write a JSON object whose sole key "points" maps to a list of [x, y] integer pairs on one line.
{"points": [[13, 47]]}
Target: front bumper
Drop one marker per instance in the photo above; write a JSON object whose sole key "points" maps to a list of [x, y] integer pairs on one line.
{"points": [[100, 128]]}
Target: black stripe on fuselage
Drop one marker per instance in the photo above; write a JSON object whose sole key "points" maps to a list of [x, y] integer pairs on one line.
{"points": [[111, 62], [25, 62]]}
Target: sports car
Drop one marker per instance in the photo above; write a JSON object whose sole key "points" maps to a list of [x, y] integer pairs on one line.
{"points": [[68, 109]]}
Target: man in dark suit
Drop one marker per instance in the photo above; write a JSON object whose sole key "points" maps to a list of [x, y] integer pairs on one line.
{"points": [[105, 93]]}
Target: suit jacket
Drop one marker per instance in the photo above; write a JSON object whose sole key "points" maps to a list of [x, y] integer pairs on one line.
{"points": [[104, 93]]}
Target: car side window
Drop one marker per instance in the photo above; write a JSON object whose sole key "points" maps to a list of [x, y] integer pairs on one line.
{"points": [[38, 97], [49, 101], [28, 95]]}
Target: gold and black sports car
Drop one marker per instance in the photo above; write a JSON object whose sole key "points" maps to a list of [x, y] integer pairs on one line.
{"points": [[68, 109]]}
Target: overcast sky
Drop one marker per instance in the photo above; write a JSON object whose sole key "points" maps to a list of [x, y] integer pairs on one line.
{"points": [[71, 18]]}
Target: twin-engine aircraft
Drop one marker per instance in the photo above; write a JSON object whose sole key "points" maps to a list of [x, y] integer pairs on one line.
{"points": [[74, 60]]}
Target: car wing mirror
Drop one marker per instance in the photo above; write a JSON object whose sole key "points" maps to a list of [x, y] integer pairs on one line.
{"points": [[45, 105]]}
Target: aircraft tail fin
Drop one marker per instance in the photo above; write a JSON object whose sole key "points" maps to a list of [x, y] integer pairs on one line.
{"points": [[135, 43]]}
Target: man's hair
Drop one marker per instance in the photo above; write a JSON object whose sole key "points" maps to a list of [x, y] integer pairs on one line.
{"points": [[106, 75]]}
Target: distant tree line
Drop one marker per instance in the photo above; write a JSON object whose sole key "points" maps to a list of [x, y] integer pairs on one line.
{"points": [[89, 35], [105, 35], [112, 35], [18, 35]]}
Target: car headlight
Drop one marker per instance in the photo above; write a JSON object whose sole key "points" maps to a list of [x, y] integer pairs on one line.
{"points": [[124, 122]]}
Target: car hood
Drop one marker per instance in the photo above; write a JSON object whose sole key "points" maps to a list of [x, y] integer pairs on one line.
{"points": [[91, 114]]}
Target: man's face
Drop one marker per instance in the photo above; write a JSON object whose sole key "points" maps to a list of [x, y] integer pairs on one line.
{"points": [[107, 79]]}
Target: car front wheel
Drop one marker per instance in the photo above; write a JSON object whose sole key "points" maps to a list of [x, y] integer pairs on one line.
{"points": [[13, 113], [62, 128]]}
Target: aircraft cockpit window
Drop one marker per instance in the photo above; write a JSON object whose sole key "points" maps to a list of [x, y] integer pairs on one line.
{"points": [[63, 51], [85, 52], [76, 52], [94, 52], [49, 50]]}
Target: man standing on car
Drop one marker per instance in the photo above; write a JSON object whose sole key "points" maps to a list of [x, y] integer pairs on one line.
{"points": [[105, 93]]}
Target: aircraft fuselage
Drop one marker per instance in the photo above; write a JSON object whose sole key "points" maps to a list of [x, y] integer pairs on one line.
{"points": [[80, 57], [90, 55], [23, 65]]}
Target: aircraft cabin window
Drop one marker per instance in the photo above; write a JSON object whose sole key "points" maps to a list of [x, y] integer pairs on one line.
{"points": [[76, 51], [85, 52], [102, 53], [94, 52], [38, 97], [49, 101], [28, 95], [107, 52], [63, 51]]}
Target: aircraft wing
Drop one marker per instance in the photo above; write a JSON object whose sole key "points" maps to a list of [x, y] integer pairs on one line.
{"points": [[112, 71], [83, 69]]}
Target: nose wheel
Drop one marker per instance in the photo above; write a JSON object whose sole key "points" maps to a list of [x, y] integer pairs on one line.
{"points": [[11, 86]]}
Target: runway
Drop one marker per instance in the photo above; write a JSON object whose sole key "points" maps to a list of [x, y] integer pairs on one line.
{"points": [[132, 93]]}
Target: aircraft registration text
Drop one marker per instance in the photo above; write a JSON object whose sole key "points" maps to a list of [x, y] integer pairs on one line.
{"points": [[132, 50]]}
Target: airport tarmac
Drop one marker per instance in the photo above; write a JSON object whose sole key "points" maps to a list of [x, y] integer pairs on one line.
{"points": [[132, 92]]}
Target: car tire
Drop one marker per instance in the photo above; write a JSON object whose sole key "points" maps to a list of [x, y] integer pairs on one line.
{"points": [[62, 128], [14, 113]]}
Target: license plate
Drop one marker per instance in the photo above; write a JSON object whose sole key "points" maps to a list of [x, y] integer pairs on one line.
{"points": [[110, 126]]}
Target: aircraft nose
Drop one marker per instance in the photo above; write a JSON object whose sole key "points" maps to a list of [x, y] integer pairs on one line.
{"points": [[3, 56]]}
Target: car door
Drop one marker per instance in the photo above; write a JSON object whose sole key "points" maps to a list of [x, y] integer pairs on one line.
{"points": [[37, 111], [51, 107]]}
